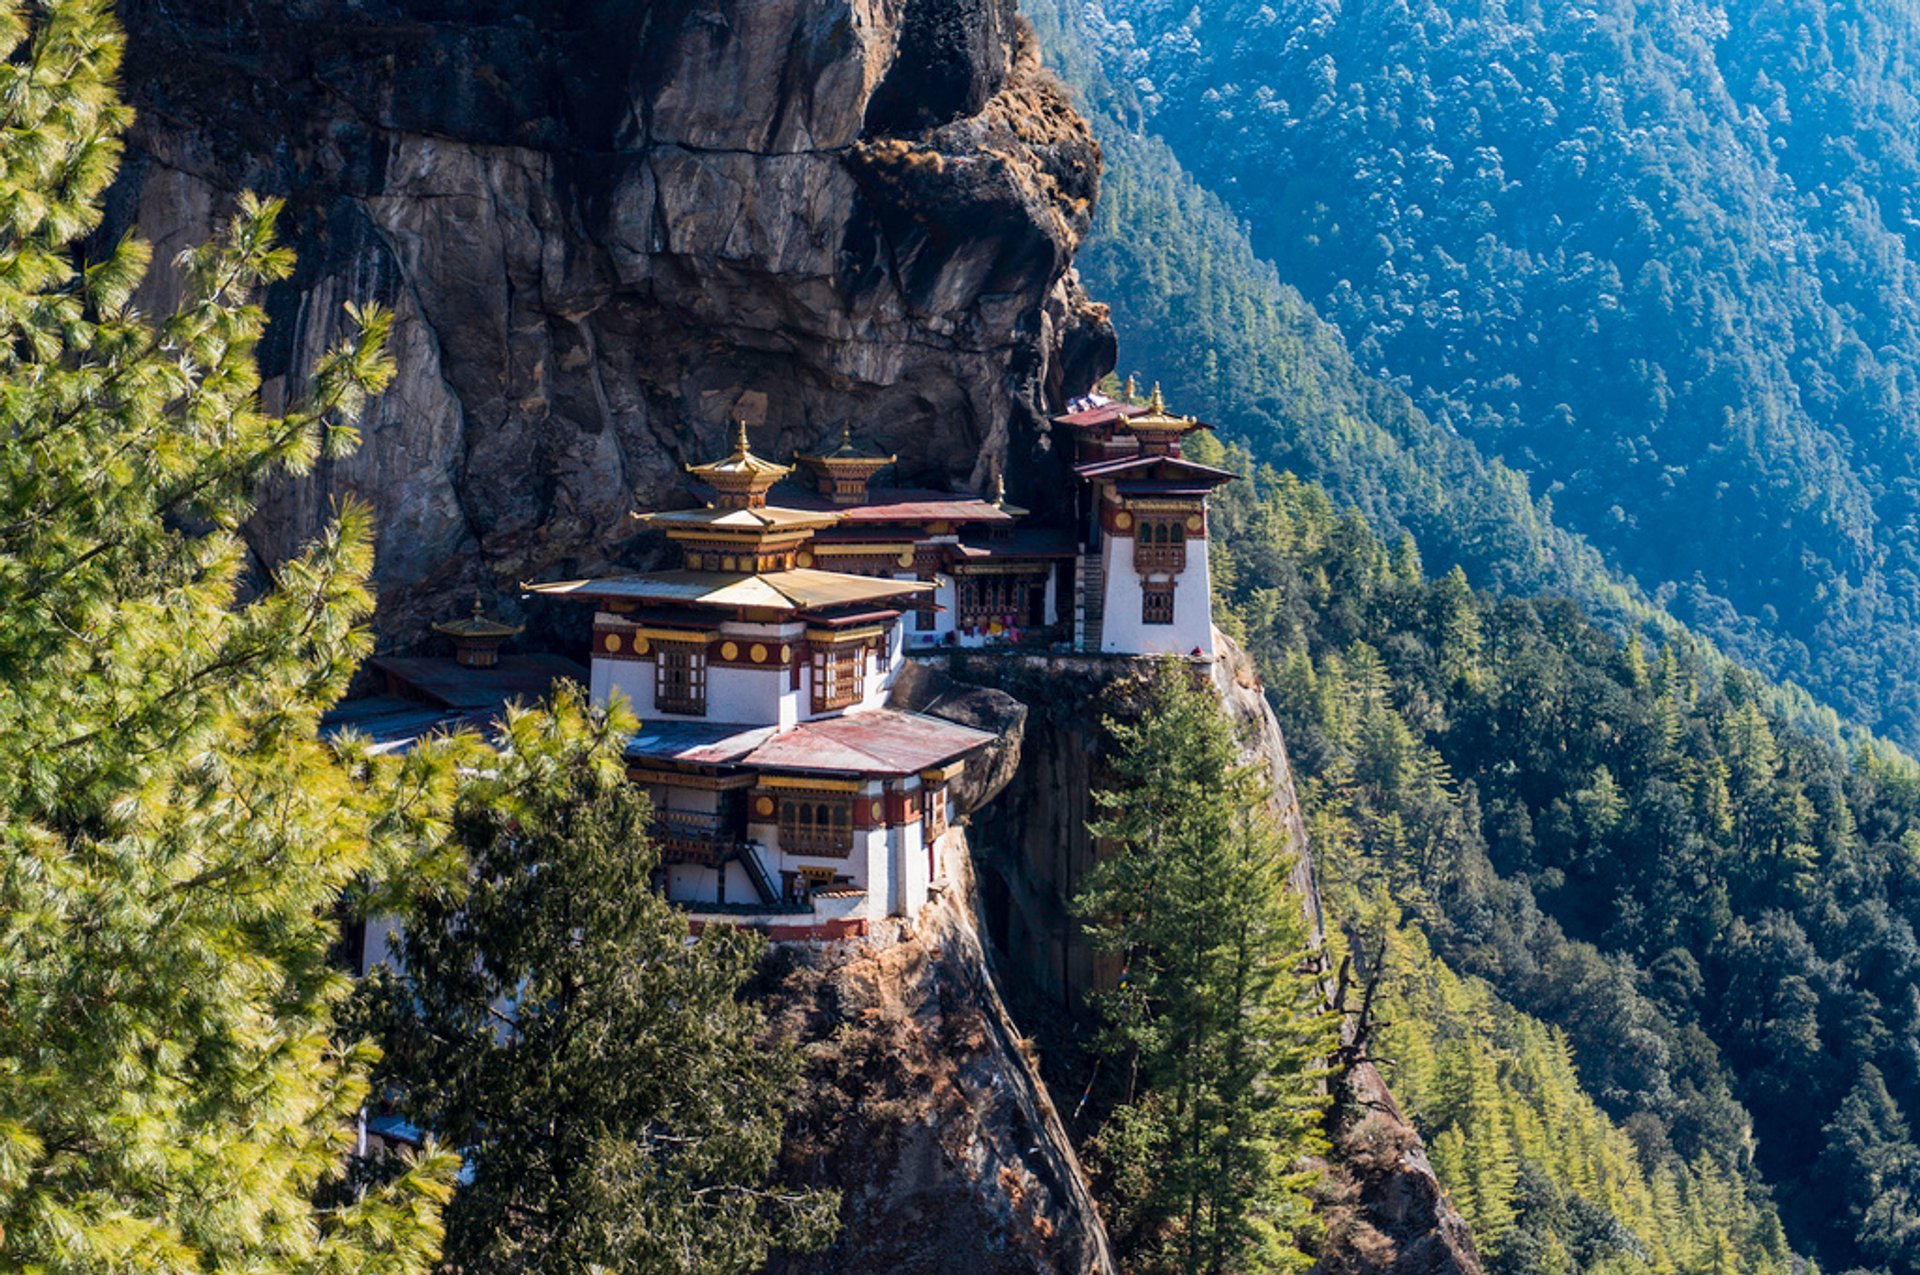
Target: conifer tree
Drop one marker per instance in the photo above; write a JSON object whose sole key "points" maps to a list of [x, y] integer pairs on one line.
{"points": [[173, 836], [608, 1087], [1221, 1031]]}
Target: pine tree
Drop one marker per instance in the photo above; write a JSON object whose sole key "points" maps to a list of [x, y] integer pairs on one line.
{"points": [[1215, 1017], [609, 1088], [173, 1091]]}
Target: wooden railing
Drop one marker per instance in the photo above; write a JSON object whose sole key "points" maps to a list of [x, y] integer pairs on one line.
{"points": [[1160, 557]]}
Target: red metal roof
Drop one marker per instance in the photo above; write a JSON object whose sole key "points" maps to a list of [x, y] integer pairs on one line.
{"points": [[903, 504], [1161, 467], [879, 741]]}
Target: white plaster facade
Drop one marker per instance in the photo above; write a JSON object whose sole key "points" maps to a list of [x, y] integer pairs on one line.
{"points": [[755, 696], [1123, 630]]}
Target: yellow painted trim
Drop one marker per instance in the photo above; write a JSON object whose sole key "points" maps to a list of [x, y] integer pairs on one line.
{"points": [[674, 635], [859, 549], [1002, 569], [941, 774], [842, 637], [645, 774], [822, 785]]}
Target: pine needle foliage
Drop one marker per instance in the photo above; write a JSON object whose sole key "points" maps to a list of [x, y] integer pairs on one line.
{"points": [[173, 1093], [1214, 1019], [615, 1097]]}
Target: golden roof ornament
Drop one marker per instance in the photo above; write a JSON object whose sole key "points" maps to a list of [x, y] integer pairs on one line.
{"points": [[477, 639], [741, 479], [1000, 500], [843, 473], [479, 625]]}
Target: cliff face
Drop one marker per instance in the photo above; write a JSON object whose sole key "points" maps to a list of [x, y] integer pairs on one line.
{"points": [[608, 226], [1385, 1209], [924, 1108]]}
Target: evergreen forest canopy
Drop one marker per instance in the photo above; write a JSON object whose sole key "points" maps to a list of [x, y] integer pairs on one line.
{"points": [[1600, 859], [1657, 258]]}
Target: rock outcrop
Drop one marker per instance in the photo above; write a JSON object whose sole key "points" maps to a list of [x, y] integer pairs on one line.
{"points": [[924, 1108], [607, 227], [1385, 1209]]}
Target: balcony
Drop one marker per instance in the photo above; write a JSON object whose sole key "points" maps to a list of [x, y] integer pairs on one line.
{"points": [[692, 836], [830, 841], [1160, 557]]}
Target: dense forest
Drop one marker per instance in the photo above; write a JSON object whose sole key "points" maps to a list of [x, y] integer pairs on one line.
{"points": [[1713, 910], [1655, 257], [1177, 267]]}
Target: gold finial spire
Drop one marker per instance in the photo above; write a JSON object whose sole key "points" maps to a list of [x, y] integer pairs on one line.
{"points": [[846, 434], [999, 489], [740, 447], [1157, 404], [1133, 387]]}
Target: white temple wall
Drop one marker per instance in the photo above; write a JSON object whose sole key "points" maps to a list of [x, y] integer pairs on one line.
{"points": [[876, 846], [755, 696], [910, 873], [693, 883], [740, 887], [1122, 630], [946, 596]]}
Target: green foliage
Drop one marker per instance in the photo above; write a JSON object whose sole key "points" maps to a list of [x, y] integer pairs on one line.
{"points": [[173, 1092], [1217, 1024], [1716, 909], [1545, 1179], [611, 1091], [1183, 273], [1657, 258]]}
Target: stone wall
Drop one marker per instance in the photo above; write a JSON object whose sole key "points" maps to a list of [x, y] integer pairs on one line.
{"points": [[608, 226]]}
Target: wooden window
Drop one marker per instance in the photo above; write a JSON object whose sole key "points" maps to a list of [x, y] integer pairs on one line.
{"points": [[1161, 544], [1015, 599], [816, 825], [1156, 604], [839, 676], [925, 618], [680, 680], [936, 811]]}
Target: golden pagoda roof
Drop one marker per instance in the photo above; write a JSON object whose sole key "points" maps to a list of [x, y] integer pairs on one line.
{"points": [[846, 455], [801, 589], [1157, 419], [742, 467], [773, 518], [479, 626]]}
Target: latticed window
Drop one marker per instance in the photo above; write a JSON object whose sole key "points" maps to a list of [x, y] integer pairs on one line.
{"points": [[1160, 544], [816, 825], [680, 680], [839, 676], [1156, 604], [982, 599], [936, 810]]}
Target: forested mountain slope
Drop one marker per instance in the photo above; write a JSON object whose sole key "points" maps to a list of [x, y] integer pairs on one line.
{"points": [[1714, 911], [1656, 257]]}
